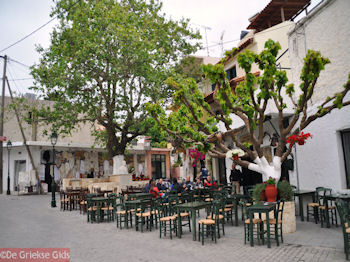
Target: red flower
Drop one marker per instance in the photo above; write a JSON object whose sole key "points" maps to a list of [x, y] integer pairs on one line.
{"points": [[196, 155], [300, 139]]}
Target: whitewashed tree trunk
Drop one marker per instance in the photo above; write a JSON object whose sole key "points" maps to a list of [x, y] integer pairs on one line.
{"points": [[267, 170]]}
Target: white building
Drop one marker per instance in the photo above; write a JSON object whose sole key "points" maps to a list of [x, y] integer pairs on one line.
{"points": [[76, 154], [325, 159], [273, 22]]}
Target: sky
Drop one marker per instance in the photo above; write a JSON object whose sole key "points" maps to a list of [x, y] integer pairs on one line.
{"points": [[18, 18]]}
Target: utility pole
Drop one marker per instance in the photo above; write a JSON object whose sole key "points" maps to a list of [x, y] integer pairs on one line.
{"points": [[2, 120], [22, 132]]}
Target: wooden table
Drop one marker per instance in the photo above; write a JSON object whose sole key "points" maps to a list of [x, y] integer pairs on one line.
{"points": [[138, 196], [190, 207], [301, 194], [234, 198], [262, 207]]}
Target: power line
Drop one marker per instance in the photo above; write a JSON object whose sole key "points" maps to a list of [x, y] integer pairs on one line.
{"points": [[36, 30], [20, 79], [16, 86], [20, 63], [25, 37], [262, 32]]}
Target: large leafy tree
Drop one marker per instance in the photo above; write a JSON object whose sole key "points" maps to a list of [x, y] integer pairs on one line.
{"points": [[107, 58], [195, 122]]}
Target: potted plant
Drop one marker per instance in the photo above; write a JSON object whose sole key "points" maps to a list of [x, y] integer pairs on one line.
{"points": [[271, 190], [235, 153], [285, 192], [259, 192]]}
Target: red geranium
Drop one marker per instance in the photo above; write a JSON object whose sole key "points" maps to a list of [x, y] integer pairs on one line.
{"points": [[300, 139], [196, 155]]}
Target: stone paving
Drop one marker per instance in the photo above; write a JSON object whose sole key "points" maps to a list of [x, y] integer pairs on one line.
{"points": [[28, 221]]}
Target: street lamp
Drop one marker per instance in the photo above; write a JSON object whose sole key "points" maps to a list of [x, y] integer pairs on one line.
{"points": [[9, 146], [53, 139]]}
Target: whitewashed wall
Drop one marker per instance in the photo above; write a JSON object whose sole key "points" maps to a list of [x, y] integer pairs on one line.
{"points": [[326, 29]]}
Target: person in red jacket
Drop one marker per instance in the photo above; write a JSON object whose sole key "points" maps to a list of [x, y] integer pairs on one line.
{"points": [[208, 182], [154, 189]]}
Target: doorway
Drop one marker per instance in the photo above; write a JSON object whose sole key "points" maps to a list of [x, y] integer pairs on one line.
{"points": [[345, 137], [20, 166], [158, 166], [222, 171]]}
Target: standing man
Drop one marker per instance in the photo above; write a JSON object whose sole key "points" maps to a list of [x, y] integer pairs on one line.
{"points": [[204, 173], [235, 178]]}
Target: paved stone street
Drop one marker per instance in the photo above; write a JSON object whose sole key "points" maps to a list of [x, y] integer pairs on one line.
{"points": [[28, 221]]}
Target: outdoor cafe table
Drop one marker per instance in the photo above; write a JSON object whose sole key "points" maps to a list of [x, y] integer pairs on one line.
{"points": [[190, 207], [332, 197], [301, 194], [138, 196], [235, 198], [261, 207]]}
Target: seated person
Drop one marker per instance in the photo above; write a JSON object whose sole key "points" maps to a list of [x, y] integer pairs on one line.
{"points": [[208, 182], [161, 186], [175, 186], [154, 190], [188, 185], [198, 183], [148, 187]]}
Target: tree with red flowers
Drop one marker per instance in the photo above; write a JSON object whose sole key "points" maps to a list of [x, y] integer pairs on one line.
{"points": [[195, 123]]}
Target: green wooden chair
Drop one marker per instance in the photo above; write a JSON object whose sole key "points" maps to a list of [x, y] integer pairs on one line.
{"points": [[167, 223], [210, 225], [144, 214], [331, 208], [121, 216], [91, 209], [277, 222], [109, 209], [312, 208], [257, 230], [344, 214]]}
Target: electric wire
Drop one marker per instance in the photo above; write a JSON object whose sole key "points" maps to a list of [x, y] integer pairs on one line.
{"points": [[262, 32], [18, 88], [39, 28], [20, 63]]}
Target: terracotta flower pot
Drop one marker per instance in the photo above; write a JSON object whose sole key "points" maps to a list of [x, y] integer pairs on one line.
{"points": [[271, 193]]}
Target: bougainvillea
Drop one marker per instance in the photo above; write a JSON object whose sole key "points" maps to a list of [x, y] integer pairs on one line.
{"points": [[196, 155], [300, 139]]}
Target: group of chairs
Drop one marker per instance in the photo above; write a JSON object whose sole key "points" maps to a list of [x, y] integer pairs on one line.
{"points": [[317, 209], [72, 199], [161, 213]]}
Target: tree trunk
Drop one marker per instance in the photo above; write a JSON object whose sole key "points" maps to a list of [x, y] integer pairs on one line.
{"points": [[267, 170], [114, 146]]}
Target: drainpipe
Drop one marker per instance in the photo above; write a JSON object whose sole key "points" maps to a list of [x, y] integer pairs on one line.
{"points": [[296, 166]]}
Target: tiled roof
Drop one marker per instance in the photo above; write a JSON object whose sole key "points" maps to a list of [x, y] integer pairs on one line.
{"points": [[271, 14]]}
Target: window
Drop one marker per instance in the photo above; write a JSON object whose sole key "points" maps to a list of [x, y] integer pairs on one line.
{"points": [[231, 73], [158, 166], [345, 137], [213, 86]]}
